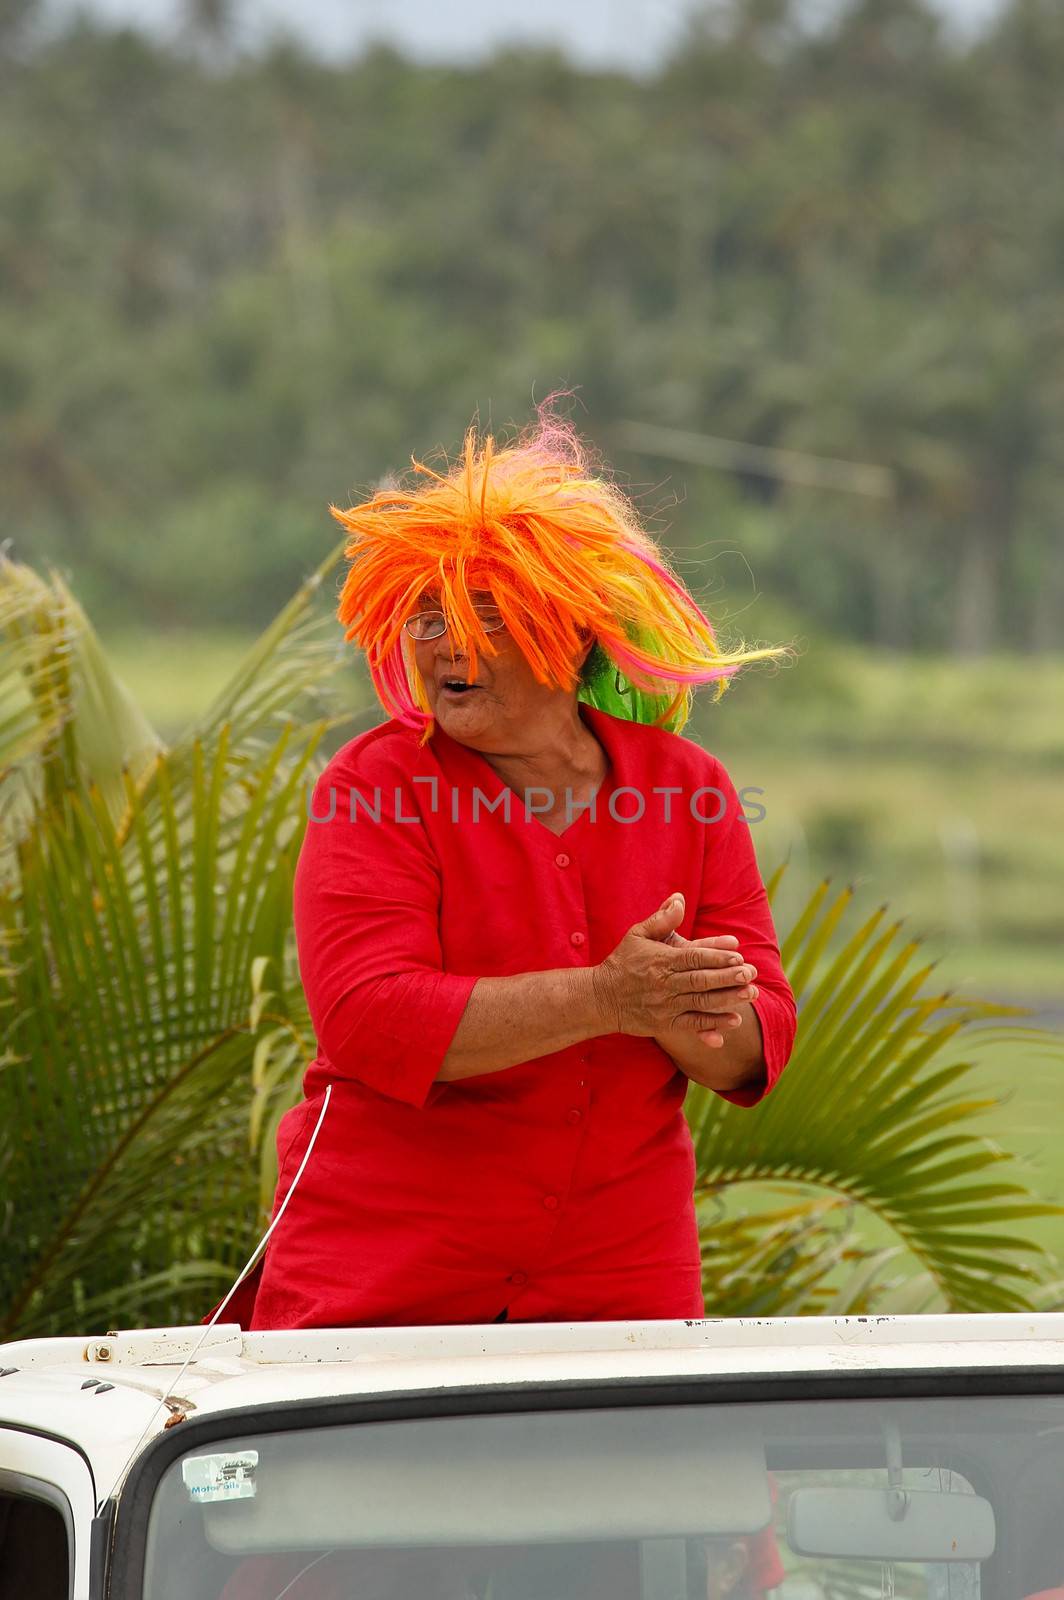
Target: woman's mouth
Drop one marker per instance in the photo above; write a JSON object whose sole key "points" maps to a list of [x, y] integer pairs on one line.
{"points": [[456, 687]]}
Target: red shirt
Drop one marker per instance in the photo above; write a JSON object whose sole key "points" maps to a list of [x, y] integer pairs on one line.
{"points": [[561, 1188]]}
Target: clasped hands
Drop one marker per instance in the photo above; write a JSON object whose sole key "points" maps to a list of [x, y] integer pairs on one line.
{"points": [[656, 983]]}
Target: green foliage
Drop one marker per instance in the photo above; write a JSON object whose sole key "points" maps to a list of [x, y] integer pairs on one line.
{"points": [[142, 885], [237, 290], [154, 1028], [876, 1112]]}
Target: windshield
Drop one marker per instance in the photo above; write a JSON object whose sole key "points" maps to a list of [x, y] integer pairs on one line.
{"points": [[944, 1499]]}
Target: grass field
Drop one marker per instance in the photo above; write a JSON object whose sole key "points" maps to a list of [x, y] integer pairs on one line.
{"points": [[932, 785]]}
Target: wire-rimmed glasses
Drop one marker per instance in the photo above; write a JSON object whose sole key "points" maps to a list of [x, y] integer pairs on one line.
{"points": [[431, 624]]}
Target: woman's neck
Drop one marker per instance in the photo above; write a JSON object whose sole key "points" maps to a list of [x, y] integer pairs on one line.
{"points": [[566, 757]]}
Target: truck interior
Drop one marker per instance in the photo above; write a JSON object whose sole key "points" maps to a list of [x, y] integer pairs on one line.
{"points": [[940, 1499], [34, 1559]]}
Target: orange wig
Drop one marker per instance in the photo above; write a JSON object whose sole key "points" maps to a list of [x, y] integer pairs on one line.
{"points": [[561, 552]]}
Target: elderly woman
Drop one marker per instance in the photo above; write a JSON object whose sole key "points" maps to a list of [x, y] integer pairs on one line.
{"points": [[528, 913]]}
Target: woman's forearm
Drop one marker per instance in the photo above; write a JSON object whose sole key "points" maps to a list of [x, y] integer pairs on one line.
{"points": [[738, 1063], [510, 1020]]}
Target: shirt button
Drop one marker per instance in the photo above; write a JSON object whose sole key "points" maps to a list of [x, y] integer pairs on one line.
{"points": [[518, 1277], [550, 1202], [574, 1115], [561, 860], [576, 938]]}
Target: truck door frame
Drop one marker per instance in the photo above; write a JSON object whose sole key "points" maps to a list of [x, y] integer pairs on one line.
{"points": [[44, 1466]]}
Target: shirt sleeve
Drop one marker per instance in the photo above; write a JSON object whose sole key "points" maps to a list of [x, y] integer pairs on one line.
{"points": [[366, 906], [733, 900]]}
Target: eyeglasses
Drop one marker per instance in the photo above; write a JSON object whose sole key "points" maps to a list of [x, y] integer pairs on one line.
{"points": [[431, 624]]}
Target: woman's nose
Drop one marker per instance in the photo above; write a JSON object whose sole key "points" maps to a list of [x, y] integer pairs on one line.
{"points": [[445, 651]]}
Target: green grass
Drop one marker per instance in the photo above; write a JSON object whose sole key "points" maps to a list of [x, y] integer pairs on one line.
{"points": [[936, 786]]}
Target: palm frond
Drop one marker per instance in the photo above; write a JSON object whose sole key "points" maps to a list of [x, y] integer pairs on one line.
{"points": [[66, 719], [130, 933], [800, 1258], [875, 1108], [138, 1084], [291, 660]]}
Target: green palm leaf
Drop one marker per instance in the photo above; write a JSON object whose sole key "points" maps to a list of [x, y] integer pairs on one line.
{"points": [[112, 1089], [786, 1260], [141, 898], [876, 1113], [65, 719]]}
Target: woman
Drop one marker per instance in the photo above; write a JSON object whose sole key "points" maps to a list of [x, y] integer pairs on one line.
{"points": [[527, 914]]}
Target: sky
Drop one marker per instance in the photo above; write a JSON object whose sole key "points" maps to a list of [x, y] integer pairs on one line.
{"points": [[629, 33]]}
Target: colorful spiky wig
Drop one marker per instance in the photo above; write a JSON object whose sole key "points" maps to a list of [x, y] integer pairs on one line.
{"points": [[561, 552]]}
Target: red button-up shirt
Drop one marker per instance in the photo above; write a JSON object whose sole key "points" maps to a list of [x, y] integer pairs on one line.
{"points": [[560, 1188]]}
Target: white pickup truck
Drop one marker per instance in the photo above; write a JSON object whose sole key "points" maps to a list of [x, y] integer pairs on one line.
{"points": [[815, 1458]]}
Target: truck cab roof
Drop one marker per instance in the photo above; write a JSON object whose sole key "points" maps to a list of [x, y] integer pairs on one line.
{"points": [[105, 1394]]}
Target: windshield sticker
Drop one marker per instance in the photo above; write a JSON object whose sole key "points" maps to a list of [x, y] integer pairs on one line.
{"points": [[212, 1478]]}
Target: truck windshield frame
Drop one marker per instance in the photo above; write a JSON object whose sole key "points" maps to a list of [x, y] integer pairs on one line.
{"points": [[125, 1576]]}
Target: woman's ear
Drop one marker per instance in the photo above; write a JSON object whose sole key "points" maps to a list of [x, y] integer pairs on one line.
{"points": [[587, 645]]}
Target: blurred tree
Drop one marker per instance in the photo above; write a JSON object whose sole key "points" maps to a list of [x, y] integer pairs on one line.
{"points": [[207, 29], [241, 282]]}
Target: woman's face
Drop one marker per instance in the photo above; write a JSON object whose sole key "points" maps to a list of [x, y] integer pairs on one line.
{"points": [[505, 704]]}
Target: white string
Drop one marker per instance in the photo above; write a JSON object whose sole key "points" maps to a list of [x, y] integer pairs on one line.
{"points": [[251, 1262]]}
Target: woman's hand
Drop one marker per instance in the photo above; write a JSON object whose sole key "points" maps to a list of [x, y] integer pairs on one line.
{"points": [[650, 985], [725, 1021]]}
